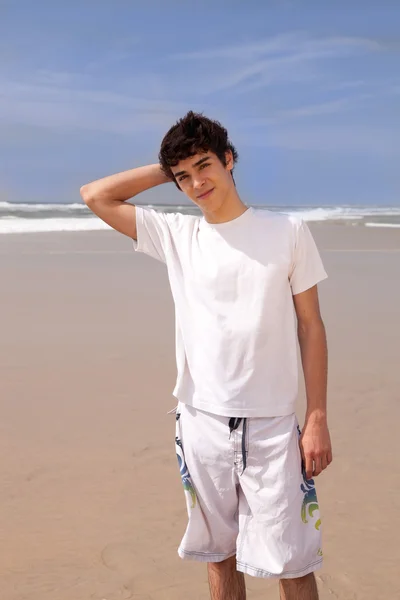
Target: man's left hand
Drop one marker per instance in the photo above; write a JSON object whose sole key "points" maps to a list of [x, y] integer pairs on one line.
{"points": [[315, 446]]}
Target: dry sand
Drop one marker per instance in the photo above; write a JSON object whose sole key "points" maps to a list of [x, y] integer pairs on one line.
{"points": [[91, 502]]}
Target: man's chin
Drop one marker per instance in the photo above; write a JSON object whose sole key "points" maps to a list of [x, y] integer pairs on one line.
{"points": [[210, 206]]}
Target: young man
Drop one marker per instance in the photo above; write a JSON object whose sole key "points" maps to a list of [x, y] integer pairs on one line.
{"points": [[239, 277]]}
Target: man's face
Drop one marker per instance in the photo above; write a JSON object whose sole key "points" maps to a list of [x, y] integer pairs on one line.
{"points": [[205, 180]]}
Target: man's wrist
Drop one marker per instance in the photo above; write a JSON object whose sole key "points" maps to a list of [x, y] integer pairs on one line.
{"points": [[161, 175], [316, 415]]}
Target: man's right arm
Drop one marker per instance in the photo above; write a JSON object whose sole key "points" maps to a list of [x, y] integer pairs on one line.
{"points": [[107, 197]]}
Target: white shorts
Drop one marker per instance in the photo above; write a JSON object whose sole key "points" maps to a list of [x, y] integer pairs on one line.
{"points": [[247, 494]]}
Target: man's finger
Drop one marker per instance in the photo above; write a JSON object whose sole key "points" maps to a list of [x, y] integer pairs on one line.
{"points": [[317, 466], [329, 457], [309, 466], [324, 461], [303, 458]]}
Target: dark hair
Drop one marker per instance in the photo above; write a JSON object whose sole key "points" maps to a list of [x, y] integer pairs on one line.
{"points": [[192, 134]]}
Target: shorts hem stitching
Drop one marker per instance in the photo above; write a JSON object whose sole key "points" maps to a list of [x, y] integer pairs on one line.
{"points": [[245, 568], [205, 556]]}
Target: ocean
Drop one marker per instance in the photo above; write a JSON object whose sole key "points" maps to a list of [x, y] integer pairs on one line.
{"points": [[41, 218]]}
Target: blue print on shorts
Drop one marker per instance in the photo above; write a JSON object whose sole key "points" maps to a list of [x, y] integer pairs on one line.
{"points": [[185, 475]]}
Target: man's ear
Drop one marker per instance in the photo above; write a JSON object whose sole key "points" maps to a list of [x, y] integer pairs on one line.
{"points": [[229, 160]]}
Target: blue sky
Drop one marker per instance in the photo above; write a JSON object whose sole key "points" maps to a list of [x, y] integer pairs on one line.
{"points": [[309, 91]]}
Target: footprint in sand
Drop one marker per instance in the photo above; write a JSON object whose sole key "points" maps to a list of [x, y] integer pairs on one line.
{"points": [[121, 557], [335, 587], [140, 577], [121, 594]]}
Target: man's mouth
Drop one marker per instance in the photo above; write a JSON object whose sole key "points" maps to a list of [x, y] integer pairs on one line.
{"points": [[205, 194]]}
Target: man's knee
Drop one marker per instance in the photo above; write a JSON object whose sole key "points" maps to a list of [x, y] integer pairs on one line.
{"points": [[223, 565], [298, 587]]}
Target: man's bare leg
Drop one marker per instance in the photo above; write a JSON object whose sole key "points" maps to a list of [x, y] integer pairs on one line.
{"points": [[225, 582], [300, 588]]}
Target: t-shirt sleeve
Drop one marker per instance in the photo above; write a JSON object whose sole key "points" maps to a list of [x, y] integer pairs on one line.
{"points": [[307, 269], [153, 232]]}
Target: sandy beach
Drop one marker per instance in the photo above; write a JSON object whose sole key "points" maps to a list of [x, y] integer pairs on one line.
{"points": [[92, 506]]}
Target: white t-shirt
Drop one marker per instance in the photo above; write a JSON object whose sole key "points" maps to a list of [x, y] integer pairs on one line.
{"points": [[232, 284]]}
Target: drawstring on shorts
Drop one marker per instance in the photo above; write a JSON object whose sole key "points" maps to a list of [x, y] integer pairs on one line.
{"points": [[234, 423]]}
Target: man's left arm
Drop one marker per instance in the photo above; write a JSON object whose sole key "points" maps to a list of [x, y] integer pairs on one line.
{"points": [[315, 443]]}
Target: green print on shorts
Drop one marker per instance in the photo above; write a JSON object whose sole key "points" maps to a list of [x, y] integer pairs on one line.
{"points": [[310, 502]]}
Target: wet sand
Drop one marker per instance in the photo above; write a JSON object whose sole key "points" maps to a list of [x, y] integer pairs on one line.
{"points": [[92, 505]]}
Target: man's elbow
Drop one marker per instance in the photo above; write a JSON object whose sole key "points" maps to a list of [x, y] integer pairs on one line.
{"points": [[86, 194], [310, 326]]}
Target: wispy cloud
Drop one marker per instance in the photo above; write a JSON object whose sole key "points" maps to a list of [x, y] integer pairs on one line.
{"points": [[292, 57], [267, 72], [311, 110], [341, 140], [51, 100], [346, 85], [243, 51], [145, 99], [289, 42], [120, 52]]}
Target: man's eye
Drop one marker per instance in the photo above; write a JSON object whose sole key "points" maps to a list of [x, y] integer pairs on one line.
{"points": [[204, 165], [182, 177]]}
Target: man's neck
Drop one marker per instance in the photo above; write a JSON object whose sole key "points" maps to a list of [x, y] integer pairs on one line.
{"points": [[231, 209]]}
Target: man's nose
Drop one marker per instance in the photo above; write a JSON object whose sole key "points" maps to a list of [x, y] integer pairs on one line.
{"points": [[198, 181]]}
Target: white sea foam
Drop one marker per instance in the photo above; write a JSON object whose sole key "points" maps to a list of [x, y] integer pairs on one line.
{"points": [[20, 225], [342, 213], [32, 208], [31, 218], [396, 225], [323, 214]]}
